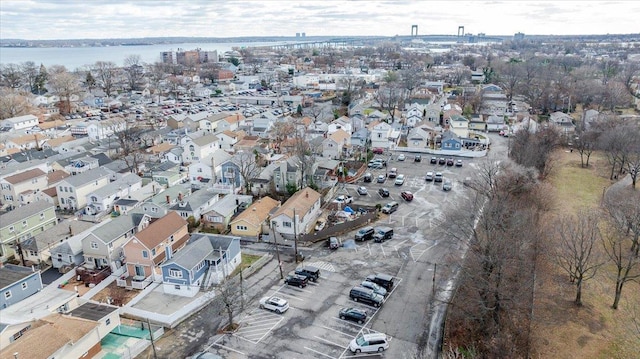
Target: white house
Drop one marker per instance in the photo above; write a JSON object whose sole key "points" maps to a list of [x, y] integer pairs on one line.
{"points": [[298, 214], [342, 123], [20, 122], [381, 136], [335, 144], [226, 139], [72, 191], [102, 199], [200, 147]]}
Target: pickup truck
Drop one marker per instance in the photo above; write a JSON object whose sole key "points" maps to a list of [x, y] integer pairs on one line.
{"points": [[343, 199]]}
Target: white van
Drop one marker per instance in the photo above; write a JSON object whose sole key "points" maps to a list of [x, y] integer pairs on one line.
{"points": [[369, 343]]}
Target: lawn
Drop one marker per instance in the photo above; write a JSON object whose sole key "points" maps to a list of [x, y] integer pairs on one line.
{"points": [[562, 330]]}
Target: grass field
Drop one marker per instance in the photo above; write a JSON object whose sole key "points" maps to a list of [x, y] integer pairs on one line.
{"points": [[593, 331]]}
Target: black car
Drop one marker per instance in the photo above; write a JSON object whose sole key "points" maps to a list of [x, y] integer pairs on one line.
{"points": [[450, 162], [417, 158], [381, 279], [296, 280], [312, 273], [383, 192], [442, 161], [434, 160], [354, 314], [368, 177]]}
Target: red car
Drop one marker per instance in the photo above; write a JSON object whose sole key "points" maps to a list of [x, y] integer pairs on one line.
{"points": [[378, 151], [406, 195]]}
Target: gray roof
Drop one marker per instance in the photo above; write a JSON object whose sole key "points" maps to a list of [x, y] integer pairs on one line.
{"points": [[92, 311], [56, 234], [227, 205], [118, 226], [172, 192], [23, 212], [11, 274], [86, 177], [205, 140], [126, 181], [201, 246], [195, 200]]}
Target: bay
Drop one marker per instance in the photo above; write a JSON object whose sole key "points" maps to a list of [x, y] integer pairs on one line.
{"points": [[79, 57]]}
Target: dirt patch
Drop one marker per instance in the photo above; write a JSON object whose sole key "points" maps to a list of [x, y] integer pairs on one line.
{"points": [[118, 296]]}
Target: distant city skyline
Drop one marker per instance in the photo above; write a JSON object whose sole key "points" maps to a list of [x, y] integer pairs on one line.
{"points": [[100, 19]]}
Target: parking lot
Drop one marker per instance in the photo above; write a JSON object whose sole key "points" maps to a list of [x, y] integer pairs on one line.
{"points": [[311, 327]]}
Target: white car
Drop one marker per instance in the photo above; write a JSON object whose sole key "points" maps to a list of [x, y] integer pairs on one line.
{"points": [[343, 199], [362, 191], [399, 180], [402, 157], [274, 304]]}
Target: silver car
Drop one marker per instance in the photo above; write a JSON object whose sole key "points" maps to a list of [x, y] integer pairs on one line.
{"points": [[362, 191], [447, 185]]}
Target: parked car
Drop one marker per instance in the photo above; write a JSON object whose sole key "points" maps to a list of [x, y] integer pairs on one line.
{"points": [[382, 178], [364, 234], [399, 180], [354, 314], [449, 161], [441, 161], [343, 199], [447, 185], [407, 196], [334, 243], [362, 191], [383, 192], [382, 234], [376, 165], [374, 287], [434, 160], [320, 225], [311, 273], [274, 304], [296, 280], [365, 295], [368, 177], [390, 207], [381, 279], [378, 151], [437, 177], [393, 173], [429, 176], [402, 157], [459, 163], [417, 158], [369, 343]]}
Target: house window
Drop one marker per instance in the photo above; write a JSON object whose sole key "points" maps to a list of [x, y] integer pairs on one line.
{"points": [[286, 224], [24, 224], [62, 200], [94, 245], [11, 229], [154, 209], [217, 219], [171, 238], [145, 254], [8, 198], [24, 285], [177, 287], [108, 321], [94, 199], [153, 251], [33, 253], [241, 228], [7, 294], [175, 273], [42, 215]]}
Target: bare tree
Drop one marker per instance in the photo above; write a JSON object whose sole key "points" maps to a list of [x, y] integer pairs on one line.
{"points": [[618, 142], [134, 70], [249, 167], [230, 294], [105, 73], [633, 157], [13, 104], [156, 74], [509, 76], [11, 76], [29, 75], [622, 204], [390, 97], [630, 76], [535, 149], [585, 143], [626, 263], [577, 250], [64, 85], [314, 111], [130, 144]]}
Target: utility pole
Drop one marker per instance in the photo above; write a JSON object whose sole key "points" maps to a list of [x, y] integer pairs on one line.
{"points": [[295, 234], [155, 355], [275, 242]]}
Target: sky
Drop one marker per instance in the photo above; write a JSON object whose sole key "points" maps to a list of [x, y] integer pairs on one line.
{"points": [[98, 19]]}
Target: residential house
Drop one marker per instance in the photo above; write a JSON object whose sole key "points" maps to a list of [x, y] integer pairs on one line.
{"points": [[210, 123], [103, 246], [37, 249], [22, 223], [254, 221], [68, 253], [26, 142], [419, 137], [200, 147], [170, 177], [382, 136], [21, 188], [459, 125], [360, 137], [206, 259], [342, 123], [20, 122], [56, 143], [81, 165], [222, 211], [477, 124], [174, 155], [336, 144], [201, 171], [17, 283], [298, 214], [148, 248], [60, 336], [496, 123], [231, 175], [563, 122], [72, 191], [158, 205], [230, 123], [287, 172], [451, 141], [226, 139], [195, 205], [102, 199]]}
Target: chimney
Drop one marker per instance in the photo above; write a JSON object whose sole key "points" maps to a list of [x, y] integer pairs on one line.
{"points": [[168, 199], [237, 202], [180, 196], [306, 194], [70, 231]]}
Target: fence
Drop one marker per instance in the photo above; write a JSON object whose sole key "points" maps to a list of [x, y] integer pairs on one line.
{"points": [[256, 265], [339, 228]]}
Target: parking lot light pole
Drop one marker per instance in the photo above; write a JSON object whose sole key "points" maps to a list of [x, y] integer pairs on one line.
{"points": [[275, 242]]}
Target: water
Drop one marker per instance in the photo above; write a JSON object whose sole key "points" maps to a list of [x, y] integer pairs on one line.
{"points": [[77, 57]]}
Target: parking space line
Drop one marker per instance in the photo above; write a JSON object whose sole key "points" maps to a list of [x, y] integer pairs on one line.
{"points": [[245, 339], [337, 331], [291, 296], [397, 244], [359, 326], [226, 348], [329, 341], [281, 319], [321, 353], [254, 328], [298, 289], [382, 248]]}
